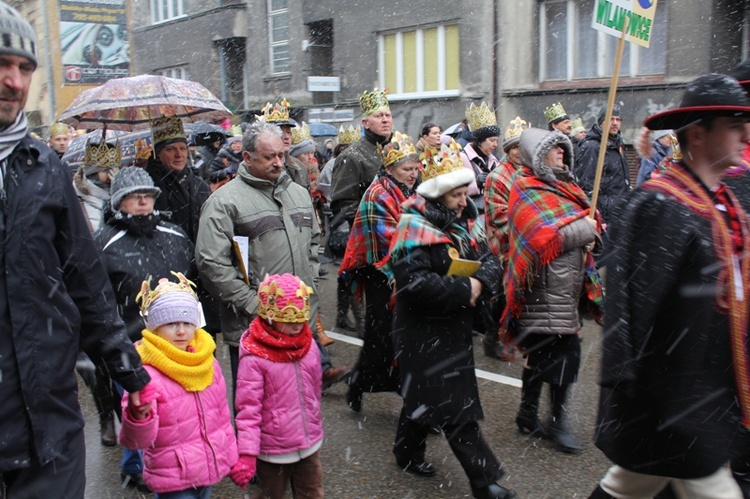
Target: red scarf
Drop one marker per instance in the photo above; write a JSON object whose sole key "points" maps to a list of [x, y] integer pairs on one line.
{"points": [[264, 341]]}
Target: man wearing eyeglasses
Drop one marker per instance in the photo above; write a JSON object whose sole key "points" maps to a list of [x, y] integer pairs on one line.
{"points": [[136, 244]]}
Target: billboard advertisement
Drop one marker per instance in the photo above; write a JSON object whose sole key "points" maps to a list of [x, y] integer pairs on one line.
{"points": [[93, 41]]}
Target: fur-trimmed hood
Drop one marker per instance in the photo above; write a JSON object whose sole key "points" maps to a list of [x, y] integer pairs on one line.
{"points": [[535, 143]]}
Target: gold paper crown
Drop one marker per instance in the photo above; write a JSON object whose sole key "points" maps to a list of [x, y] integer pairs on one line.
{"points": [[676, 151], [515, 128], [275, 113], [348, 135], [58, 129], [373, 101], [441, 161], [576, 126], [301, 134], [148, 296], [236, 131], [102, 154], [290, 312], [480, 116], [167, 128], [555, 111], [399, 147]]}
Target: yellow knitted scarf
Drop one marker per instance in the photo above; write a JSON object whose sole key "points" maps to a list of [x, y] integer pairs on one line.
{"points": [[192, 369]]}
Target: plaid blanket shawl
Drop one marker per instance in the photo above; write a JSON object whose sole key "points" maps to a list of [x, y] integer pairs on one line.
{"points": [[678, 184], [416, 230], [374, 225], [536, 212]]}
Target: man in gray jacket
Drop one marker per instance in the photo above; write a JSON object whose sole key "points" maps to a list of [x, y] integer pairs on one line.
{"points": [[264, 205]]}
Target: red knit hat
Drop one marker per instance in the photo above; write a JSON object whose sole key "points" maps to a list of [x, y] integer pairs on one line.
{"points": [[284, 298]]}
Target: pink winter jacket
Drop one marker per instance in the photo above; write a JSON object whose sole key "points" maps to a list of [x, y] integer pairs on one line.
{"points": [[188, 440], [278, 403]]}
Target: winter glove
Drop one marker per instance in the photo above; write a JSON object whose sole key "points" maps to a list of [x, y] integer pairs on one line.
{"points": [[481, 179], [243, 471]]}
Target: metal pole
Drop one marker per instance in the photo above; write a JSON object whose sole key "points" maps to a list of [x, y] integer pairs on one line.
{"points": [[48, 63]]}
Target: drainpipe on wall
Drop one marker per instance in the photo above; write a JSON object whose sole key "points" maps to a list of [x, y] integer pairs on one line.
{"points": [[48, 64], [223, 72], [495, 43]]}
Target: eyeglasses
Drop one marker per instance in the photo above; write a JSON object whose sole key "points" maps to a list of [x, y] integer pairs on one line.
{"points": [[138, 196]]}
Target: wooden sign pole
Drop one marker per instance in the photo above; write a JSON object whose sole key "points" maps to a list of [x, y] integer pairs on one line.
{"points": [[607, 118]]}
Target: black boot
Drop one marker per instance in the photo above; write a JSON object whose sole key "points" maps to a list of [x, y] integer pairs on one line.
{"points": [[107, 429], [354, 394], [599, 493], [527, 418], [358, 309], [564, 441], [343, 296], [493, 491]]}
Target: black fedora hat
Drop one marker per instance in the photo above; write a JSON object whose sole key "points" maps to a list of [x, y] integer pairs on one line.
{"points": [[708, 95], [742, 74]]}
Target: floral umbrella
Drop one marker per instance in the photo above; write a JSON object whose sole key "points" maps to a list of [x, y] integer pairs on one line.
{"points": [[132, 103]]}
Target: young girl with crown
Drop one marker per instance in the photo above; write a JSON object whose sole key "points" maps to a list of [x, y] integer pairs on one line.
{"points": [[183, 422], [279, 421]]}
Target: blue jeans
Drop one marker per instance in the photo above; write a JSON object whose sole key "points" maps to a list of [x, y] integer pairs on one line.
{"points": [[132, 460], [199, 493]]}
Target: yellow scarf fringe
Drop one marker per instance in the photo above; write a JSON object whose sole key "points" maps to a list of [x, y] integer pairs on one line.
{"points": [[194, 371]]}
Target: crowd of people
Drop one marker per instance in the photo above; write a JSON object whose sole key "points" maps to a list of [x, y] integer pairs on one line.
{"points": [[138, 268]]}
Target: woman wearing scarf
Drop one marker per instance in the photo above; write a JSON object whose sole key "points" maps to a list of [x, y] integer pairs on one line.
{"points": [[433, 321], [374, 225], [551, 278], [479, 154]]}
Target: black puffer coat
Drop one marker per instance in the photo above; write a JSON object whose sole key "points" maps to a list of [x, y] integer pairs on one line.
{"points": [[136, 247], [615, 177], [433, 323], [54, 299]]}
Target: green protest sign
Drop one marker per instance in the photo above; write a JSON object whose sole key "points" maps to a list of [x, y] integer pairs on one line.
{"points": [[609, 16]]}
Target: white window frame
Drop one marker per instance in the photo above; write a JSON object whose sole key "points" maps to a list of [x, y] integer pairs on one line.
{"points": [[277, 43], [179, 72], [175, 10], [603, 66], [398, 93]]}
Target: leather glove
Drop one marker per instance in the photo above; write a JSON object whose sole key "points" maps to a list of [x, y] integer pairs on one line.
{"points": [[243, 471]]}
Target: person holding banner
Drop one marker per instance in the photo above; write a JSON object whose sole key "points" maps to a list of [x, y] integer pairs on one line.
{"points": [[674, 406]]}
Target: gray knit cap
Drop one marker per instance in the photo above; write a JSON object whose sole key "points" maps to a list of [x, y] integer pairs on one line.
{"points": [[17, 37], [129, 180]]}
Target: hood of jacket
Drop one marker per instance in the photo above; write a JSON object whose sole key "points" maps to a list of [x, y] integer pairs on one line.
{"points": [[534, 145]]}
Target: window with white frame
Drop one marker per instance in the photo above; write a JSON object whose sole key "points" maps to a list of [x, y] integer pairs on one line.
{"points": [[569, 48], [181, 73], [421, 62], [164, 10], [278, 36]]}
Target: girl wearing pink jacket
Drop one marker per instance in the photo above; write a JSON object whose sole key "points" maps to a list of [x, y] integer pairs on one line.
{"points": [[279, 422], [183, 421]]}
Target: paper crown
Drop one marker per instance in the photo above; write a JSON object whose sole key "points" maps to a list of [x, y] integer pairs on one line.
{"points": [[167, 128], [516, 127], [437, 162], [676, 152], [348, 135], [373, 101], [480, 116], [102, 155], [301, 134], [399, 147], [147, 296], [576, 126], [276, 114], [59, 129], [284, 298], [554, 112], [236, 131]]}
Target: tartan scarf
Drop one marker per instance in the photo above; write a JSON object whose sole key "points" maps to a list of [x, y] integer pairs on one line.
{"points": [[374, 225], [537, 210], [427, 223], [263, 341], [683, 187], [193, 368]]}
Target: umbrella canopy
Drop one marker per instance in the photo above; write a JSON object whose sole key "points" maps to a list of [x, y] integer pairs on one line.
{"points": [[453, 129], [322, 130], [132, 103]]}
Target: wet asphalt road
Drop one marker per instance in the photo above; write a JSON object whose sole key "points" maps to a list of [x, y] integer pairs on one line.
{"points": [[356, 454]]}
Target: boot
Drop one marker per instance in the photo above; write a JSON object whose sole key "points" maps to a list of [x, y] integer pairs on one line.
{"points": [[564, 441], [354, 394], [323, 338], [599, 493], [358, 309], [527, 418], [343, 297], [107, 429], [493, 491]]}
